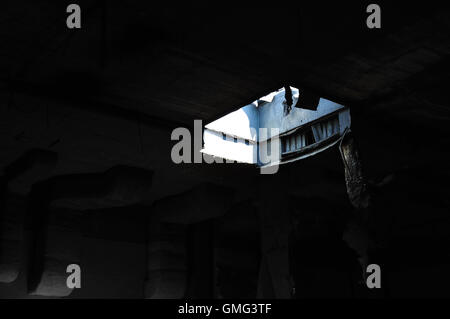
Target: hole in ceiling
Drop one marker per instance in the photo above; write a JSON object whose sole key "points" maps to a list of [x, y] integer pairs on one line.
{"points": [[277, 126]]}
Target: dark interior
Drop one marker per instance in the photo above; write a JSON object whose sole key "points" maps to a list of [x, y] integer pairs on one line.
{"points": [[86, 117]]}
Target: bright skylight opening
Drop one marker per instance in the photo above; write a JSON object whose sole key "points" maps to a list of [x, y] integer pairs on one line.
{"points": [[270, 123]]}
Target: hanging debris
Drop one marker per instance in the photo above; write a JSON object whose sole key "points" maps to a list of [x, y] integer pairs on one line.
{"points": [[356, 185], [356, 234]]}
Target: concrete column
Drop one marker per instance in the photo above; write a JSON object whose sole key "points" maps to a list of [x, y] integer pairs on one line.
{"points": [[11, 241], [322, 265], [167, 273], [237, 252], [59, 245], [166, 260], [35, 162], [201, 261], [275, 280]]}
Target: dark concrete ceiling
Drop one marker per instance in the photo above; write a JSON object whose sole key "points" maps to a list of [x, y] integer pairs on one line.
{"points": [[176, 62]]}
